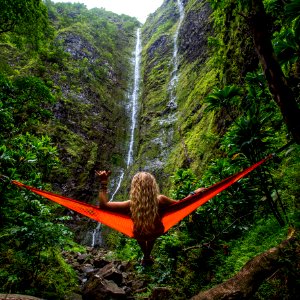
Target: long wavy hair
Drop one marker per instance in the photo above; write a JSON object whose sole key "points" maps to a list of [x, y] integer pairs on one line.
{"points": [[144, 202]]}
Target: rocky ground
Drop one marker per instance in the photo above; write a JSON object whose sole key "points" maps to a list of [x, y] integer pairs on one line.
{"points": [[100, 278]]}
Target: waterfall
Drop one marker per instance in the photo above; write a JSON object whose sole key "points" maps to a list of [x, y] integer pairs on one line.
{"points": [[174, 76], [164, 138], [134, 96], [95, 234], [134, 108], [133, 99]]}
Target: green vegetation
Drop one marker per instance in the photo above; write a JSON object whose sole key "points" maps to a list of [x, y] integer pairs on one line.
{"points": [[227, 120], [86, 62], [31, 233], [27, 21], [64, 75]]}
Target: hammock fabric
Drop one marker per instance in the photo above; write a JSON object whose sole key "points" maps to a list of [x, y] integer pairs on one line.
{"points": [[171, 216]]}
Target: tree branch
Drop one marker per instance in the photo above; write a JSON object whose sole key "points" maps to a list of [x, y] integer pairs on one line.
{"points": [[246, 282]]}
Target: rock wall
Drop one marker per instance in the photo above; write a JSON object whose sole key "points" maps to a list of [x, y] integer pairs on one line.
{"points": [[169, 138], [91, 77]]}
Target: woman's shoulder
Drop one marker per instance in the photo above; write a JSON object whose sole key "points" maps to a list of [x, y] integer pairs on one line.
{"points": [[164, 200]]}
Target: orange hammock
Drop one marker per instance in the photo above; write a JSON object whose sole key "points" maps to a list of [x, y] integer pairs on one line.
{"points": [[171, 216]]}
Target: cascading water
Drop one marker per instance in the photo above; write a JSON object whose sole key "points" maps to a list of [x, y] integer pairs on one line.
{"points": [[164, 138], [133, 106], [174, 76], [134, 97], [96, 236], [133, 102]]}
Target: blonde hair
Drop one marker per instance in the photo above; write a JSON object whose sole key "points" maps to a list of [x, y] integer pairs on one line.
{"points": [[144, 202]]}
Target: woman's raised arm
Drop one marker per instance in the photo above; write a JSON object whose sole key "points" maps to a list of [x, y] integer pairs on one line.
{"points": [[121, 207]]}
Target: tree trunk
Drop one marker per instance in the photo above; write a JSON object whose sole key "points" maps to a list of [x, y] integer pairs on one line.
{"points": [[282, 94], [247, 281]]}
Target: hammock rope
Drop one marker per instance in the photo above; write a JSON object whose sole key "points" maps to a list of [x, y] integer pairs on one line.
{"points": [[171, 216]]}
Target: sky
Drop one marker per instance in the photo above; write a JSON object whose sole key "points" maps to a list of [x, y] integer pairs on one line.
{"points": [[135, 8]]}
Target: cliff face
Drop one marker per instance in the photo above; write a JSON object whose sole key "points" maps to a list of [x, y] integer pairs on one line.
{"points": [[87, 64], [91, 109], [90, 69], [171, 137]]}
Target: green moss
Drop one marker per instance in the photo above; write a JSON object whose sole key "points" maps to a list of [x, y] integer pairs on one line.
{"points": [[265, 234], [198, 133], [58, 281]]}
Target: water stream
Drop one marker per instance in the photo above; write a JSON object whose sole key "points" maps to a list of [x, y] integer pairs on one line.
{"points": [[174, 74], [133, 103], [164, 139], [134, 107]]}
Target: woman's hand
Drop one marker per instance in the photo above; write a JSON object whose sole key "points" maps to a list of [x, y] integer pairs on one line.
{"points": [[103, 175], [200, 190]]}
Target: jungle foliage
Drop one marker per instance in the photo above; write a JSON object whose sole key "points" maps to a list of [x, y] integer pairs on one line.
{"points": [[243, 123], [56, 99], [64, 71], [31, 232]]}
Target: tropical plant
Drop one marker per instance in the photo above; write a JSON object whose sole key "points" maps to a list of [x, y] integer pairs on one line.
{"points": [[286, 41], [185, 182], [23, 103], [30, 231], [286, 45], [27, 19], [225, 98], [292, 12]]}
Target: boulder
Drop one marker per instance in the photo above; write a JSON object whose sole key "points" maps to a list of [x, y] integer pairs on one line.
{"points": [[82, 258], [99, 262], [98, 288], [110, 272], [87, 268]]}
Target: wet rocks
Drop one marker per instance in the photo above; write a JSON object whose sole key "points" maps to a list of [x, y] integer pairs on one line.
{"points": [[79, 47], [194, 32], [100, 278], [99, 288]]}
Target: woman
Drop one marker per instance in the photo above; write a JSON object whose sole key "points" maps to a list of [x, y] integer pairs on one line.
{"points": [[144, 207]]}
